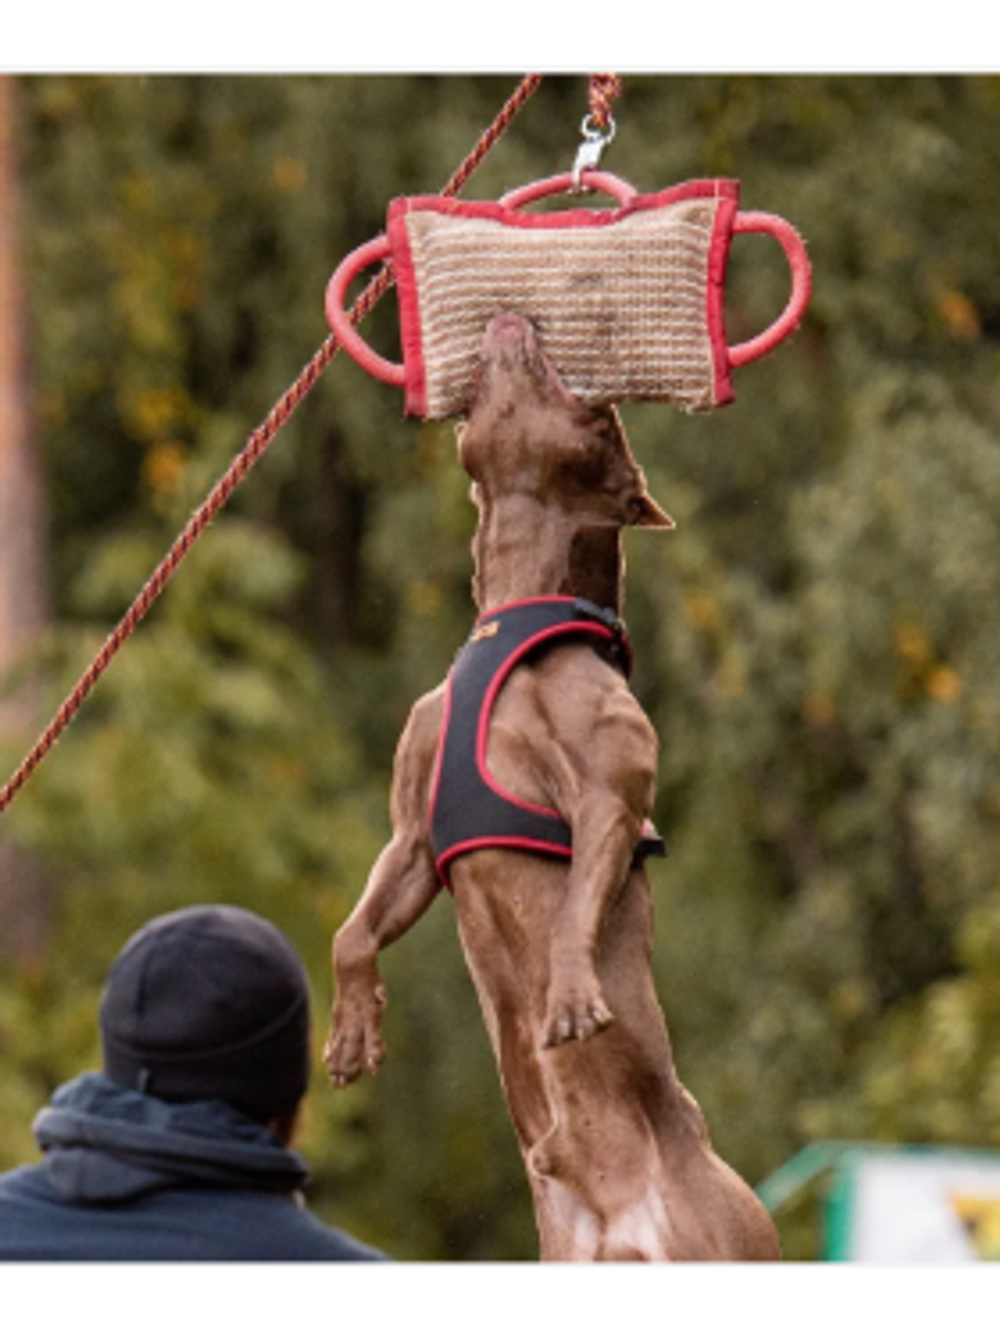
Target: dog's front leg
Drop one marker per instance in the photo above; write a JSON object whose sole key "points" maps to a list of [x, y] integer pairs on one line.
{"points": [[604, 839], [400, 888], [607, 786]]}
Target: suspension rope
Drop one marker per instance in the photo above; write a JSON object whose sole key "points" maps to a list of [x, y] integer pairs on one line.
{"points": [[237, 471], [603, 91]]}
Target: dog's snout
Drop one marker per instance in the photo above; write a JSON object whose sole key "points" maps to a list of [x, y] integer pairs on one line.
{"points": [[508, 331]]}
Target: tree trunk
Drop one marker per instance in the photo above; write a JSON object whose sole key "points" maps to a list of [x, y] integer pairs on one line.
{"points": [[24, 612]]}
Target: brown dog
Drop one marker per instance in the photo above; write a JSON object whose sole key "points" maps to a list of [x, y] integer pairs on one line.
{"points": [[558, 943]]}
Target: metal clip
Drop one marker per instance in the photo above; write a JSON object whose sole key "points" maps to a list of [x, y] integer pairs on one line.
{"points": [[588, 155]]}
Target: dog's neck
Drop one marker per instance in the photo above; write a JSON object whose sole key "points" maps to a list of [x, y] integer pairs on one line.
{"points": [[524, 548]]}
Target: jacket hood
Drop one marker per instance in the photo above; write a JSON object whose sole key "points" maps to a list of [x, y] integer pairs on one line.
{"points": [[105, 1143]]}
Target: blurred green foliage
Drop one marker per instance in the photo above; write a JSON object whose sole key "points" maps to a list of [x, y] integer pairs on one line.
{"points": [[817, 642]]}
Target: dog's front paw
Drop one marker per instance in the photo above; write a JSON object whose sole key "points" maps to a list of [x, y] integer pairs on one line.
{"points": [[575, 1014], [355, 1041]]}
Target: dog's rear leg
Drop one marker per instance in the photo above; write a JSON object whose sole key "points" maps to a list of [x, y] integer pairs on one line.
{"points": [[400, 888]]}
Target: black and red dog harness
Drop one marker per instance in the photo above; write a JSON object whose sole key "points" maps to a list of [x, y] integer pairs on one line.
{"points": [[469, 810]]}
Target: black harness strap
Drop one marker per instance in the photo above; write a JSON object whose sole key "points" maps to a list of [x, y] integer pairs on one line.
{"points": [[469, 810]]}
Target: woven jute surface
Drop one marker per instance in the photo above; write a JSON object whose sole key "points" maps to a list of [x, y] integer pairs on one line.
{"points": [[621, 309]]}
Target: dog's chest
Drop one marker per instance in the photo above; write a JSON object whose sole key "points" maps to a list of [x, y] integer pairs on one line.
{"points": [[470, 808]]}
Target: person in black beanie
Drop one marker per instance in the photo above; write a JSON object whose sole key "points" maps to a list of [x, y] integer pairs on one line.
{"points": [[180, 1148]]}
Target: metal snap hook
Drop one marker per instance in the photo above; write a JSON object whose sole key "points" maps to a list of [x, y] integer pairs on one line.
{"points": [[588, 155]]}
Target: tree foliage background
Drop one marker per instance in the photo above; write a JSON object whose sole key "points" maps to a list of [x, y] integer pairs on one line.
{"points": [[817, 643]]}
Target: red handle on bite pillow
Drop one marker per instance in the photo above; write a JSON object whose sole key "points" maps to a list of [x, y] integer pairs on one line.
{"points": [[798, 261], [380, 248], [339, 320], [593, 180]]}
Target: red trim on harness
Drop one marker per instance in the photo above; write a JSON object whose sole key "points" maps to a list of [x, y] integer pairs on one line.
{"points": [[488, 843]]}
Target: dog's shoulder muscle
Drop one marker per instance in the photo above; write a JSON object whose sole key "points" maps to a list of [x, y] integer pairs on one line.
{"points": [[571, 723], [413, 767]]}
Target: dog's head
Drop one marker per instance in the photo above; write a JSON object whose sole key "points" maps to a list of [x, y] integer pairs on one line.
{"points": [[527, 434]]}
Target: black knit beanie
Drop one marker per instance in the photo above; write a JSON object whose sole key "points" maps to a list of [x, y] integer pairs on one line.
{"points": [[209, 1003]]}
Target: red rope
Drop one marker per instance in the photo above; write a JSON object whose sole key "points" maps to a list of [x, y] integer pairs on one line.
{"points": [[604, 89], [241, 465]]}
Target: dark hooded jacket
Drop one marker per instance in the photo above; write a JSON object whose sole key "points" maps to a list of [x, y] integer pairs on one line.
{"points": [[128, 1176]]}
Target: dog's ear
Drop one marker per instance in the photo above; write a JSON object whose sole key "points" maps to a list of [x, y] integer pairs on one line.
{"points": [[641, 508], [645, 512]]}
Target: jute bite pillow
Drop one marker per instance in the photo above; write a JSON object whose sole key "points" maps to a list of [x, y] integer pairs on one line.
{"points": [[628, 302]]}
